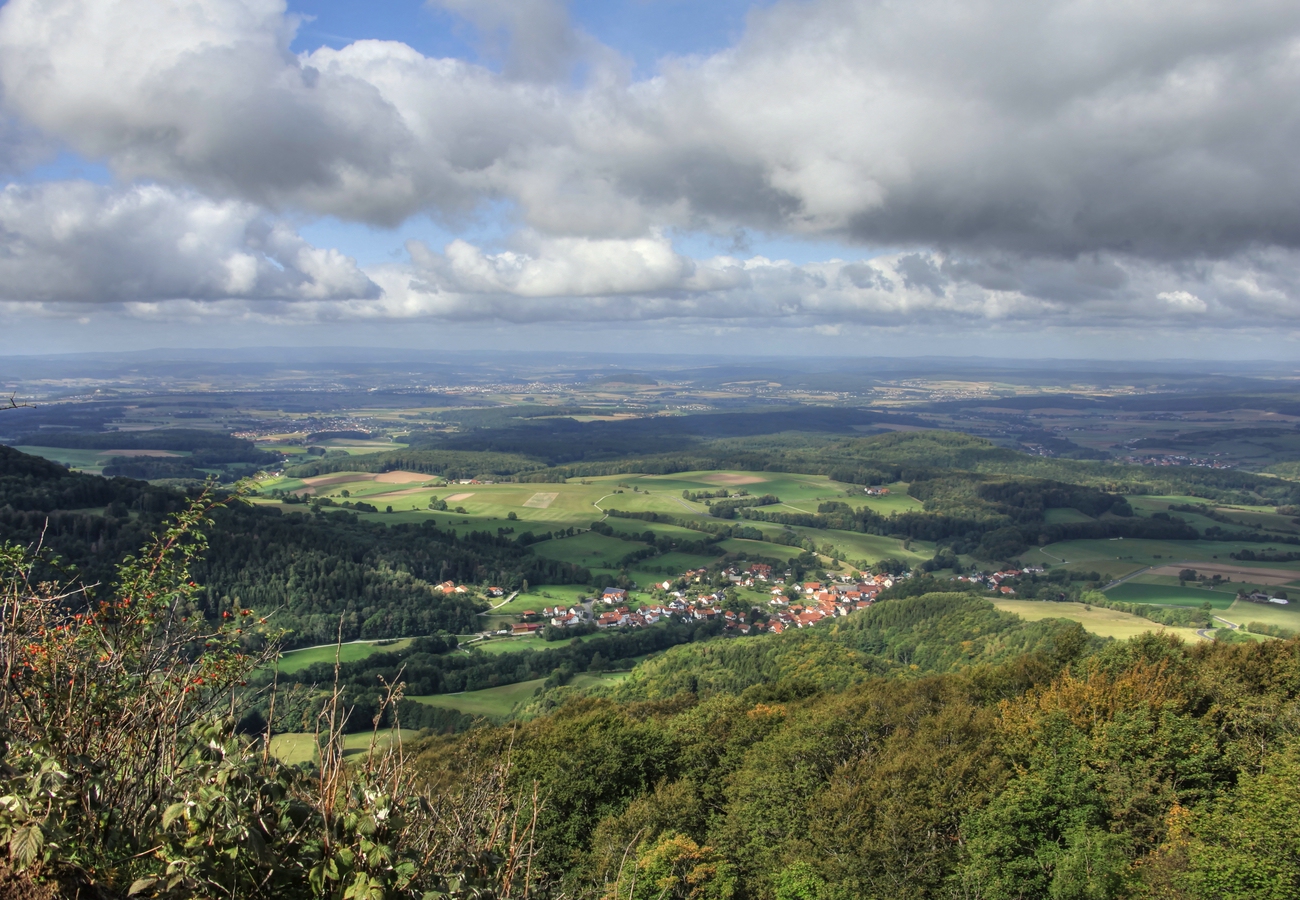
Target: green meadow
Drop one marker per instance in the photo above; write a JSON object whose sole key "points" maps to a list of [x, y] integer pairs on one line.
{"points": [[1170, 595], [296, 660], [510, 644], [497, 702], [1115, 558], [1065, 516], [300, 747], [494, 703], [90, 461], [1102, 622], [1243, 612]]}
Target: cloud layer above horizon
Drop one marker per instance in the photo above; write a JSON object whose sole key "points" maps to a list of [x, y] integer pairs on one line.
{"points": [[986, 162]]}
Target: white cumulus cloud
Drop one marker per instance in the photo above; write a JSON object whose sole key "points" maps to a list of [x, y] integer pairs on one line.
{"points": [[75, 242]]}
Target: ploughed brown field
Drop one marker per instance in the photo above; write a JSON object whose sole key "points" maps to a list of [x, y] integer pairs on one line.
{"points": [[732, 478], [321, 481]]}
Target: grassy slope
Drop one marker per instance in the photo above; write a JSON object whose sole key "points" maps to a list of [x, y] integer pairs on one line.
{"points": [[1103, 622], [300, 747], [1120, 557], [497, 702], [295, 660], [1243, 613], [1170, 595]]}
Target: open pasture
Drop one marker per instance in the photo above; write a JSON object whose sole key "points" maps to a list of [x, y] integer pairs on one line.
{"points": [[91, 461], [1102, 622], [297, 660], [297, 747], [494, 703], [502, 644], [1243, 612], [578, 503], [870, 547], [1115, 558], [658, 529], [1256, 576], [498, 702], [787, 486], [355, 447], [760, 548], [587, 549], [1170, 595], [1065, 516]]}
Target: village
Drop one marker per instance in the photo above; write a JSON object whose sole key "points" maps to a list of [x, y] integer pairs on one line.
{"points": [[696, 596]]}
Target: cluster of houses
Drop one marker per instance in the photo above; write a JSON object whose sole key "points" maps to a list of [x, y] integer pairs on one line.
{"points": [[791, 606], [877, 491], [807, 604], [994, 582]]}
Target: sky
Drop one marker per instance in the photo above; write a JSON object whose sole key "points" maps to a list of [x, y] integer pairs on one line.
{"points": [[1030, 178]]}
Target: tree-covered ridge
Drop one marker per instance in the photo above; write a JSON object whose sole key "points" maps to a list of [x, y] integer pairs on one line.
{"points": [[1146, 769]]}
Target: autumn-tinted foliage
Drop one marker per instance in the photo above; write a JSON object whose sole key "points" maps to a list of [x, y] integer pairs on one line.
{"points": [[1144, 769]]}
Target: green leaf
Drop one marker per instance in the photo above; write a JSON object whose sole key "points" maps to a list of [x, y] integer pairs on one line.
{"points": [[141, 884], [25, 845], [172, 813]]}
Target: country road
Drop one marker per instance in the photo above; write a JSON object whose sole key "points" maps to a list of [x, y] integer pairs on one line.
{"points": [[501, 604], [694, 512]]}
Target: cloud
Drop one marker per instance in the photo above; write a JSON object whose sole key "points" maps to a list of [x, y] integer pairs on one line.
{"points": [[1076, 164], [534, 39], [79, 243], [581, 280], [1163, 129]]}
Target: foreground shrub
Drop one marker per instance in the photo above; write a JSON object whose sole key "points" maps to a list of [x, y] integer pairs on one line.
{"points": [[121, 774]]}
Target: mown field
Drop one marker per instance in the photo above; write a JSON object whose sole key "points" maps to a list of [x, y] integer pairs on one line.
{"points": [[300, 747], [1102, 622], [1119, 557], [91, 462], [297, 660], [510, 644], [497, 702], [1170, 595], [1243, 612]]}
